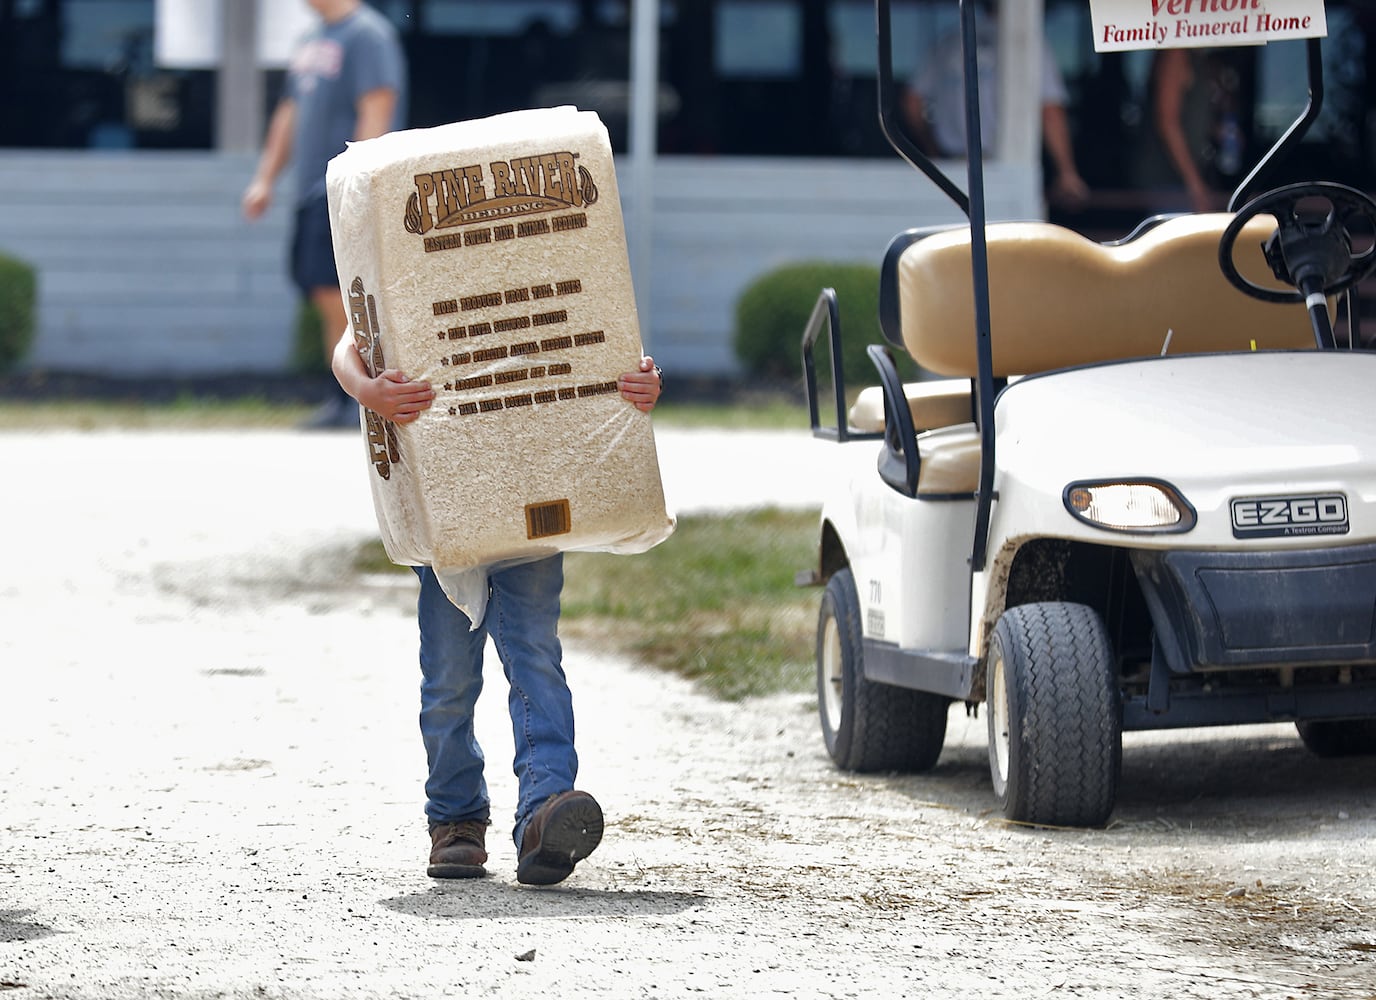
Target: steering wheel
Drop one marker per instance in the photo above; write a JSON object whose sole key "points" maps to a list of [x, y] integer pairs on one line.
{"points": [[1311, 250]]}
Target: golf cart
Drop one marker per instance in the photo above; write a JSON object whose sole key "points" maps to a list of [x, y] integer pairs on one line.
{"points": [[1134, 489]]}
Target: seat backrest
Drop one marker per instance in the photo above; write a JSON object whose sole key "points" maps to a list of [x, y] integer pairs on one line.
{"points": [[1058, 299]]}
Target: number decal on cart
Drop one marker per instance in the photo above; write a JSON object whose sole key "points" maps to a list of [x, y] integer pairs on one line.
{"points": [[1276, 517]]}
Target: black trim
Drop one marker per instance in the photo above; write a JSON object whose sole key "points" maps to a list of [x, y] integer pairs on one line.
{"points": [[900, 463], [1295, 134], [1192, 356], [985, 388], [1264, 609], [826, 315], [889, 121], [1250, 706], [953, 674], [890, 313], [1144, 227], [973, 205]]}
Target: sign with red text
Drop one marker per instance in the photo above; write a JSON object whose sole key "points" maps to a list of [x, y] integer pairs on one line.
{"points": [[1169, 24]]}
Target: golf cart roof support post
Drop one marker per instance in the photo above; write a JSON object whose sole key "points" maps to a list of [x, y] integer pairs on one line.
{"points": [[1295, 134], [890, 122], [979, 263]]}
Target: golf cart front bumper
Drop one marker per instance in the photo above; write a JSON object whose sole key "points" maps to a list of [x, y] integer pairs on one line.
{"points": [[1237, 625]]}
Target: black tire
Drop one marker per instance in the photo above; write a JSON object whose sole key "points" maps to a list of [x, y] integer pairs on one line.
{"points": [[869, 726], [1339, 737], [1055, 716]]}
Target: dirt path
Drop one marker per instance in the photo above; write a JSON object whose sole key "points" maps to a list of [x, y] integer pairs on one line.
{"points": [[210, 787]]}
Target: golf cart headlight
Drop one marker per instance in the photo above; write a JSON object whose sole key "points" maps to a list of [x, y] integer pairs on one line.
{"points": [[1142, 505]]}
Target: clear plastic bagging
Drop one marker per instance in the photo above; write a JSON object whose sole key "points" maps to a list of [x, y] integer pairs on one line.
{"points": [[489, 259]]}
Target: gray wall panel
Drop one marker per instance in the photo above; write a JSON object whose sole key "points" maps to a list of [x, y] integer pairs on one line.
{"points": [[146, 267]]}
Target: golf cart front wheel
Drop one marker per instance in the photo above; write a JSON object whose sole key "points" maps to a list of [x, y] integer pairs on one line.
{"points": [[868, 726], [1054, 715]]}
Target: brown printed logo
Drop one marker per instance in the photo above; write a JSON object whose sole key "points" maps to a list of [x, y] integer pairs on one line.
{"points": [[384, 450], [507, 189]]}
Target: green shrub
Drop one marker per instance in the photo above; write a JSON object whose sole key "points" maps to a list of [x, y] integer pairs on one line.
{"points": [[18, 306], [773, 311], [307, 352]]}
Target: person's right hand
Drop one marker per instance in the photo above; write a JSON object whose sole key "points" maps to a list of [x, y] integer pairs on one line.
{"points": [[1204, 198], [394, 397], [256, 199], [1070, 190]]}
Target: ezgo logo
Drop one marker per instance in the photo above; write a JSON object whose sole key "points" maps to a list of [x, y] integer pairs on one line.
{"points": [[1272, 517]]}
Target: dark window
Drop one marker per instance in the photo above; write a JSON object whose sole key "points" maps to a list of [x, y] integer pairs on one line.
{"points": [[1248, 98], [737, 77], [81, 74]]}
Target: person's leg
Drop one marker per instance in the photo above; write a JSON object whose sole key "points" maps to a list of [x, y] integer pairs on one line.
{"points": [[451, 662], [313, 270], [556, 826], [523, 617]]}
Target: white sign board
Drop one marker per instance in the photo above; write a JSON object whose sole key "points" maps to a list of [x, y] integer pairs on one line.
{"points": [[187, 34], [1171, 24]]}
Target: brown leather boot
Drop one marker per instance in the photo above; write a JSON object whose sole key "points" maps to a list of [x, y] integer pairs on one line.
{"points": [[458, 850], [563, 831]]}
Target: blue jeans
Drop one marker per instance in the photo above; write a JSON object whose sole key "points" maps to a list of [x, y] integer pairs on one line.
{"points": [[522, 618]]}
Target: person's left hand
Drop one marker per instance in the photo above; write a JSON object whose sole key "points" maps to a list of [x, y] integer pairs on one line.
{"points": [[642, 387], [395, 397]]}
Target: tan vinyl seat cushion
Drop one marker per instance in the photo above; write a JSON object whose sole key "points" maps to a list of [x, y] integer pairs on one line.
{"points": [[950, 460], [1058, 299], [949, 448], [942, 403]]}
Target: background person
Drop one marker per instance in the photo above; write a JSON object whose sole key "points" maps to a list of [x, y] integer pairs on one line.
{"points": [[934, 106], [1193, 133], [346, 82]]}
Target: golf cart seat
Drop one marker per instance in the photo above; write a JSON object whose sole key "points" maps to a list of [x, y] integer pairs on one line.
{"points": [[1059, 300], [942, 402]]}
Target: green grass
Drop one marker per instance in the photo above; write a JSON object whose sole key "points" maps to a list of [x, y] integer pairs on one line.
{"points": [[715, 603]]}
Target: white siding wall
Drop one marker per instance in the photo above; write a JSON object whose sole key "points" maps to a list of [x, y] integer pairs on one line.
{"points": [[145, 265], [147, 268], [719, 223]]}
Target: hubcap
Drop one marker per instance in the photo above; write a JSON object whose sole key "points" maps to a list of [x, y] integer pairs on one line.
{"points": [[998, 719], [830, 667]]}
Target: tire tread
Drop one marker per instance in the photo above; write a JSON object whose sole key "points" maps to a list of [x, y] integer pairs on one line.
{"points": [[1071, 733], [884, 727]]}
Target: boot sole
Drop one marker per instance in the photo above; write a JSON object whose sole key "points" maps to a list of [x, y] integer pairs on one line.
{"points": [[456, 871], [571, 832]]}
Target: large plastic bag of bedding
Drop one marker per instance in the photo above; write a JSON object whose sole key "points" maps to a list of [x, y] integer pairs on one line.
{"points": [[489, 258]]}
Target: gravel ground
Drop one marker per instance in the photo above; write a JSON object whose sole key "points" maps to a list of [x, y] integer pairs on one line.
{"points": [[210, 786]]}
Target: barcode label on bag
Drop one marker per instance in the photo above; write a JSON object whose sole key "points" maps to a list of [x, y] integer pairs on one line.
{"points": [[546, 519]]}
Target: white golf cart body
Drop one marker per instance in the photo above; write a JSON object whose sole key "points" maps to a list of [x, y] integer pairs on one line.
{"points": [[1171, 520]]}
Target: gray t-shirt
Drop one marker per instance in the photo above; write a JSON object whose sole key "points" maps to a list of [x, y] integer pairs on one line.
{"points": [[940, 82], [331, 69]]}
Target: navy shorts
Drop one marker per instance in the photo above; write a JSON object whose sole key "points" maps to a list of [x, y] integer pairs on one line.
{"points": [[312, 252]]}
